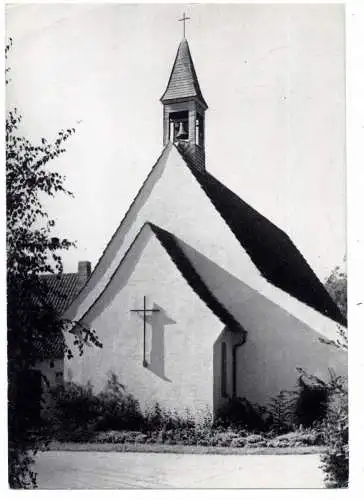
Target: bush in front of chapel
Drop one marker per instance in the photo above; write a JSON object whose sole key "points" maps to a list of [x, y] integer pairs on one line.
{"points": [[77, 413]]}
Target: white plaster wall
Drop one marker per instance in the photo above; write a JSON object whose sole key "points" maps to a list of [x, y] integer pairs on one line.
{"points": [[190, 331], [277, 342]]}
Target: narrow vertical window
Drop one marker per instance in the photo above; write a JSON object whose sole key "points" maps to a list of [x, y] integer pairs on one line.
{"points": [[197, 134], [199, 130], [223, 370]]}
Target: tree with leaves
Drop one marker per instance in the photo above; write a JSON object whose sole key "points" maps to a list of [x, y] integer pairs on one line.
{"points": [[335, 426], [337, 284], [34, 329]]}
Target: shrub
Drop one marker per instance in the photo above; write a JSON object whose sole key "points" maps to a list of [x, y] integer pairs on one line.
{"points": [[155, 418], [118, 410], [282, 412], [239, 412], [312, 400], [305, 406], [74, 412], [335, 430]]}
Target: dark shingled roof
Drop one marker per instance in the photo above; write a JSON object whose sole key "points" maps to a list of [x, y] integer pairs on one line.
{"points": [[170, 244], [62, 289], [183, 82], [270, 249]]}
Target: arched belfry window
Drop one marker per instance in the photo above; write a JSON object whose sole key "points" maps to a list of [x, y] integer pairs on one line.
{"points": [[223, 369]]}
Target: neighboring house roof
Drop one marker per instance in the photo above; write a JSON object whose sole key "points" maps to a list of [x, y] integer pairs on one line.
{"points": [[270, 249], [183, 82], [61, 289]]}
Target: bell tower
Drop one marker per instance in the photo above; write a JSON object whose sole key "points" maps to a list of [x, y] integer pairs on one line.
{"points": [[184, 109]]}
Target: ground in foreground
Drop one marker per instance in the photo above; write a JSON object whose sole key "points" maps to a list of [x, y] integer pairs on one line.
{"points": [[113, 470]]}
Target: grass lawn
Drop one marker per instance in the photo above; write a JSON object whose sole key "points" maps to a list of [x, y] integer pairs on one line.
{"points": [[177, 448]]}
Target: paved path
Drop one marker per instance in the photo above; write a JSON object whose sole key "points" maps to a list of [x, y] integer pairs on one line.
{"points": [[110, 470]]}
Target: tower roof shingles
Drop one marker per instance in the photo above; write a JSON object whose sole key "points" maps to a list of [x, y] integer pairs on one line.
{"points": [[183, 82]]}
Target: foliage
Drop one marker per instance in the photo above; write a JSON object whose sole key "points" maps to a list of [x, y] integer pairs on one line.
{"points": [[335, 427], [334, 430], [73, 412], [76, 412], [282, 411], [21, 463], [336, 284], [156, 418], [335, 460], [200, 435], [312, 399], [35, 331], [119, 410], [304, 407], [80, 415], [240, 412]]}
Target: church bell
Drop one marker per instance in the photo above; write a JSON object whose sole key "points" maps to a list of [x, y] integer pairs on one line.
{"points": [[181, 134]]}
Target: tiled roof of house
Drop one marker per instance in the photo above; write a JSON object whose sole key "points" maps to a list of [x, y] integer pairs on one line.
{"points": [[270, 249], [61, 289], [183, 82], [59, 292]]}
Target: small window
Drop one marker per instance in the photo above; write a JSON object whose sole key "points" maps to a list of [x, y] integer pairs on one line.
{"points": [[223, 370], [51, 364], [199, 130]]}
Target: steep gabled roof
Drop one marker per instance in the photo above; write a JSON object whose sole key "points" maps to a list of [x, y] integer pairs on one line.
{"points": [[270, 249], [183, 82]]}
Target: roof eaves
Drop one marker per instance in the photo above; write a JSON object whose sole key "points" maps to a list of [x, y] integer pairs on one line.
{"points": [[183, 264], [170, 244]]}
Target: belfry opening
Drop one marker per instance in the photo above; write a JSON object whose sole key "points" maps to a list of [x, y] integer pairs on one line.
{"points": [[184, 109]]}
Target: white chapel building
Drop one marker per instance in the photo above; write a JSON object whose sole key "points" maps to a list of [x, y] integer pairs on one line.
{"points": [[198, 298]]}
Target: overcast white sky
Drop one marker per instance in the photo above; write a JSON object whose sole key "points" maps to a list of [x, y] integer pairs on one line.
{"points": [[272, 75]]}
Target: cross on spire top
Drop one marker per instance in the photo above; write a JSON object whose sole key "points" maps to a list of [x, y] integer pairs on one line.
{"points": [[184, 19]]}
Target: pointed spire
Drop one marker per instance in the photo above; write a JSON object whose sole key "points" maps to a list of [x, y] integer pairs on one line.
{"points": [[183, 82]]}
